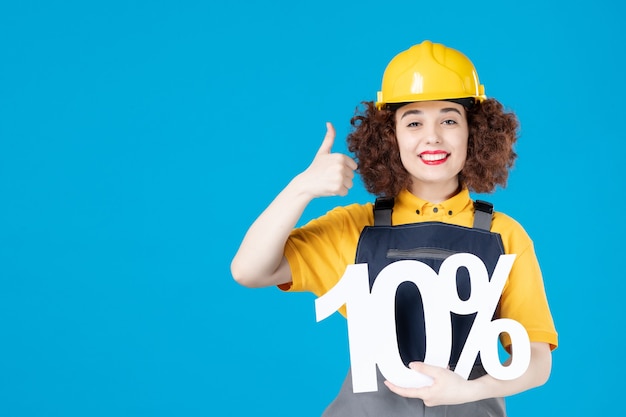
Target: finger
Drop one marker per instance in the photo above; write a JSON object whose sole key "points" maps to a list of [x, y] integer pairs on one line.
{"points": [[423, 368], [329, 139], [405, 392], [351, 163], [347, 183], [348, 162]]}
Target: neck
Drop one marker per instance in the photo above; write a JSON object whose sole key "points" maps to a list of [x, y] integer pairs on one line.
{"points": [[435, 193]]}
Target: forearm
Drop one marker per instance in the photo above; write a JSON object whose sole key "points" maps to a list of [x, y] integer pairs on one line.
{"points": [[449, 388], [259, 260]]}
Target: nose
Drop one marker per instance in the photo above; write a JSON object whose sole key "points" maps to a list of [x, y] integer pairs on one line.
{"points": [[432, 134]]}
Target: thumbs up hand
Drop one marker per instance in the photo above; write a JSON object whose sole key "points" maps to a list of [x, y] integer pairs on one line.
{"points": [[329, 174]]}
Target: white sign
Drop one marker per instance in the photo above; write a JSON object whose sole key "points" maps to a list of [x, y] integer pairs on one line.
{"points": [[372, 327]]}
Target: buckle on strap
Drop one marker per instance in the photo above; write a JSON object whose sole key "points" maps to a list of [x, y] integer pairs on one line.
{"points": [[483, 212], [383, 207]]}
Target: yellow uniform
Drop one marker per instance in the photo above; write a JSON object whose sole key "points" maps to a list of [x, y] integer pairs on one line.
{"points": [[319, 252]]}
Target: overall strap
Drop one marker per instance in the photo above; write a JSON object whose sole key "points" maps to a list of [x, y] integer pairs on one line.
{"points": [[382, 211], [483, 212]]}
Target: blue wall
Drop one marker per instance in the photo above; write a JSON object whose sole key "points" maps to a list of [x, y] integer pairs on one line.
{"points": [[139, 139]]}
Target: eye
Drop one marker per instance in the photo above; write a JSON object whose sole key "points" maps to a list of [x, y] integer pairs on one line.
{"points": [[449, 122], [414, 124]]}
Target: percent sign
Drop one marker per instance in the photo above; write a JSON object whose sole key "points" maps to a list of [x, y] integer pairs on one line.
{"points": [[371, 319]]}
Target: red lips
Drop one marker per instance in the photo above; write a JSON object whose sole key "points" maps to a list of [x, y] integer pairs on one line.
{"points": [[434, 157]]}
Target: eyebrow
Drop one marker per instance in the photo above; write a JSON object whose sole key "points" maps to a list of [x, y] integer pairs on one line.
{"points": [[444, 110]]}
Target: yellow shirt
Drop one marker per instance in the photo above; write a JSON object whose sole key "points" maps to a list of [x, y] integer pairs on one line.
{"points": [[319, 252]]}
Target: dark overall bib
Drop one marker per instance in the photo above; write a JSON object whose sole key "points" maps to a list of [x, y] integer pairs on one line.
{"points": [[430, 243]]}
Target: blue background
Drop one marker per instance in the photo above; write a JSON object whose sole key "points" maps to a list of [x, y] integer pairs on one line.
{"points": [[139, 140]]}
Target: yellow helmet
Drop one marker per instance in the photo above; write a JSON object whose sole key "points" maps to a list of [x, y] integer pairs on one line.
{"points": [[429, 71]]}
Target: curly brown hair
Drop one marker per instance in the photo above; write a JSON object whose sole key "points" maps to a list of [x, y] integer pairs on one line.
{"points": [[490, 154]]}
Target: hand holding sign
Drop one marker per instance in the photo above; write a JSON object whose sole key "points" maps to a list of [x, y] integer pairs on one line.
{"points": [[371, 320]]}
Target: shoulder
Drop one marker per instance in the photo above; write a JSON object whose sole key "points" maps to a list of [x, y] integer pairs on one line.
{"points": [[332, 237], [514, 236], [337, 223], [353, 215]]}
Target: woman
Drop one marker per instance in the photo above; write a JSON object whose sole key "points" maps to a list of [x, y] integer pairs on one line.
{"points": [[430, 139]]}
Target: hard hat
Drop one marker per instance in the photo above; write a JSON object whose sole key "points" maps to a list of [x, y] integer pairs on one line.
{"points": [[429, 71]]}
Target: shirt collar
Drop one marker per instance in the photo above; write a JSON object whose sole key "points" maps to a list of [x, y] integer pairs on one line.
{"points": [[405, 201]]}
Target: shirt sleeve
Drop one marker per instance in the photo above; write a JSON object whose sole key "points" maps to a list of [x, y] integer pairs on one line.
{"points": [[524, 297], [319, 251]]}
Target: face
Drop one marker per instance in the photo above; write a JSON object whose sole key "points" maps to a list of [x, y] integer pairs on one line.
{"points": [[432, 137]]}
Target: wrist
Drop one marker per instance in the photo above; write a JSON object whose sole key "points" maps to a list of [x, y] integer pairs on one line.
{"points": [[300, 189]]}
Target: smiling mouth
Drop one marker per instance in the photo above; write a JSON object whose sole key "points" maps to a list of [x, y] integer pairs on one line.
{"points": [[434, 158]]}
